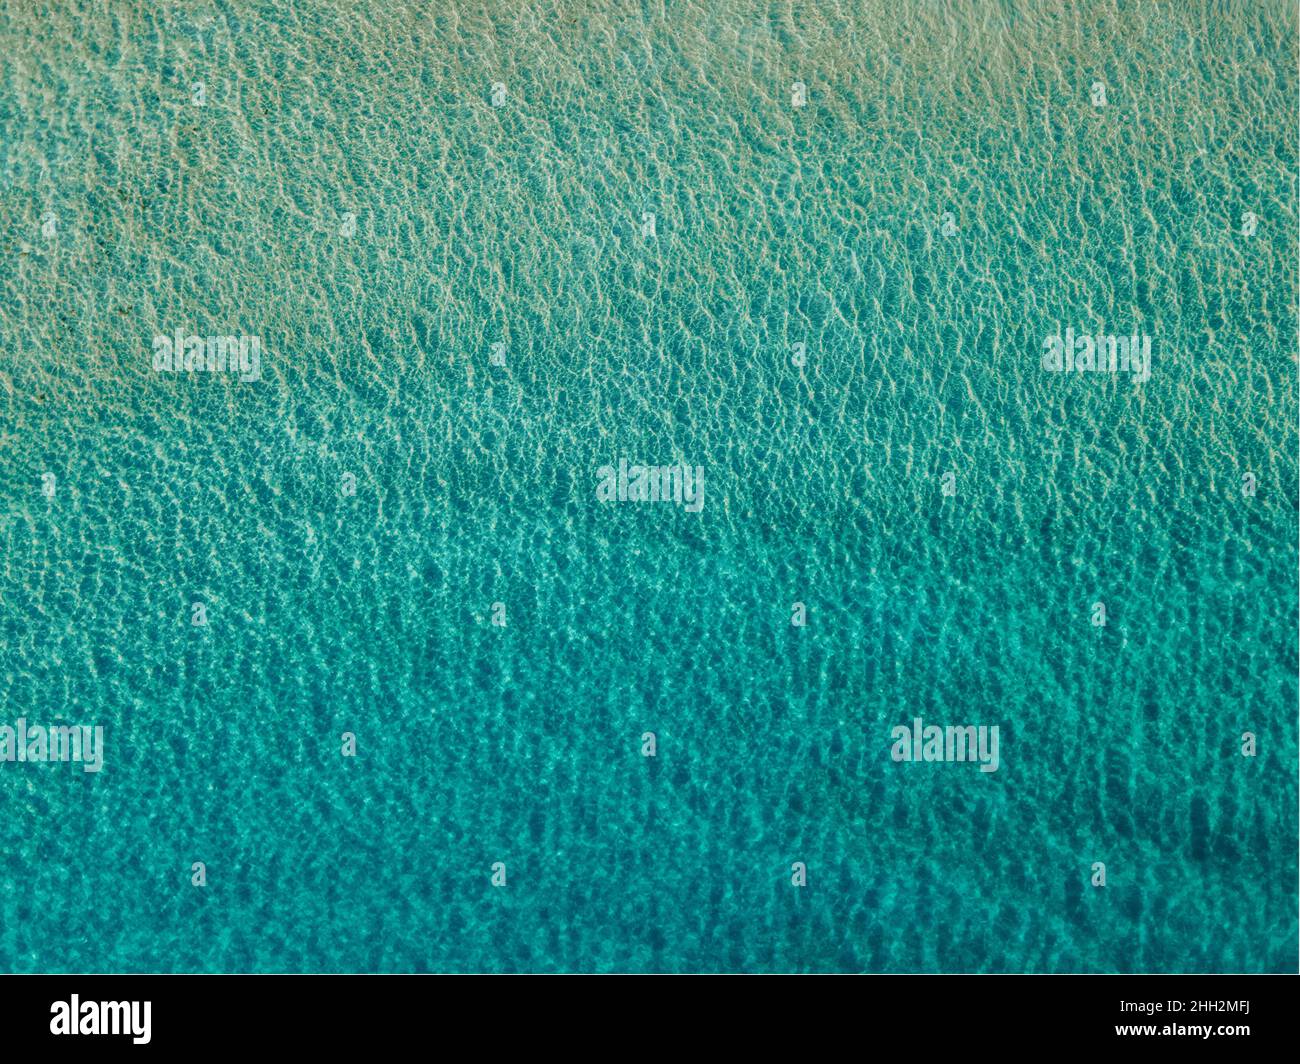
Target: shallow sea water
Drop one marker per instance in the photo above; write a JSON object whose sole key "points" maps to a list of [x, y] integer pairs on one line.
{"points": [[476, 484]]}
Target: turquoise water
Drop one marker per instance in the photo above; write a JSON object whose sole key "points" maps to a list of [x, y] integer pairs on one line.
{"points": [[774, 225]]}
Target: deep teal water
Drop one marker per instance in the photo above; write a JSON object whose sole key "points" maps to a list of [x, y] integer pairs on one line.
{"points": [[476, 484]]}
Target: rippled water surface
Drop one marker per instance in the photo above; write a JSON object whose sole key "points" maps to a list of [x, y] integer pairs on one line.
{"points": [[343, 188]]}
